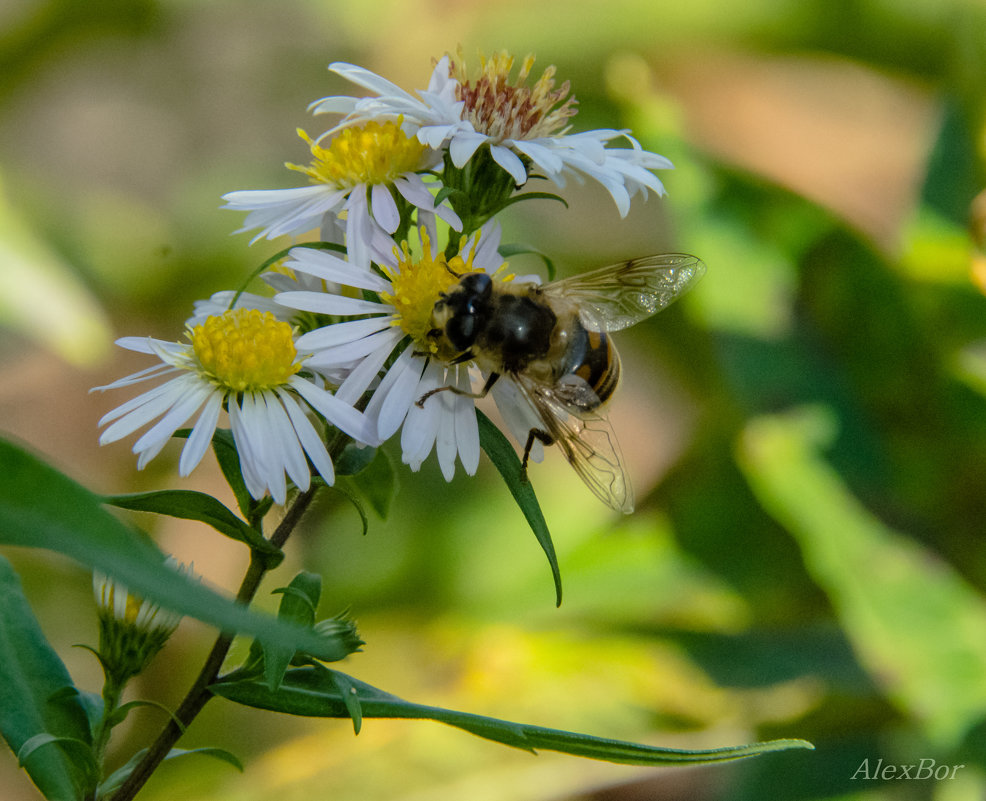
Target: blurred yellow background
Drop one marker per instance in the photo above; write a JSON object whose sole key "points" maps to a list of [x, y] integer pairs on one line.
{"points": [[805, 432]]}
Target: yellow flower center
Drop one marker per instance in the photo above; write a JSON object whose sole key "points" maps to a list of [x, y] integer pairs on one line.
{"points": [[246, 350], [419, 282], [374, 153], [505, 109]]}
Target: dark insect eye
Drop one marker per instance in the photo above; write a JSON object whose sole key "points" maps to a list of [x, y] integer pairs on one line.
{"points": [[461, 330], [477, 283]]}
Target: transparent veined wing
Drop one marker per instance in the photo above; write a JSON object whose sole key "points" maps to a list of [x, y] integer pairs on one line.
{"points": [[584, 436], [615, 297]]}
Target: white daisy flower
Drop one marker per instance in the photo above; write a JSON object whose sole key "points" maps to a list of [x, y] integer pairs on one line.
{"points": [[244, 360], [525, 127], [359, 172], [401, 318]]}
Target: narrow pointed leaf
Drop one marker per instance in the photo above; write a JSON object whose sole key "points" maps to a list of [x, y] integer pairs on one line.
{"points": [[299, 602], [502, 454], [377, 483], [113, 782], [79, 752], [36, 696], [42, 508], [350, 495], [191, 505], [316, 692]]}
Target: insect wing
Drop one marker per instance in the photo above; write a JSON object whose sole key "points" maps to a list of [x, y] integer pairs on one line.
{"points": [[585, 437], [615, 297]]}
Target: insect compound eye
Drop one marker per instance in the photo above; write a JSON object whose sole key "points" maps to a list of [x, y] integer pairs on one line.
{"points": [[461, 330], [467, 307], [477, 286]]}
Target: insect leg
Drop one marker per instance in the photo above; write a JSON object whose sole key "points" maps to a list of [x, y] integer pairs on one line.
{"points": [[420, 402], [534, 434]]}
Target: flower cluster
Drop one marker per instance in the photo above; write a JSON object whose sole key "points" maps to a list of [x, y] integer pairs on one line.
{"points": [[342, 347]]}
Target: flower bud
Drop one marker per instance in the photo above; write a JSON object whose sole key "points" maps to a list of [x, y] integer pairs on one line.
{"points": [[131, 629]]}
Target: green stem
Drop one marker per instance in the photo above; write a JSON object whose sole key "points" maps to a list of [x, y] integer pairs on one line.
{"points": [[198, 694], [112, 692]]}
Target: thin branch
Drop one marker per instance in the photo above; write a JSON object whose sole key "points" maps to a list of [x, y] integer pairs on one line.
{"points": [[198, 694]]}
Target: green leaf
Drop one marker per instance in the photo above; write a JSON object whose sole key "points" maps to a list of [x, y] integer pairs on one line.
{"points": [[92, 703], [42, 508], [113, 782], [191, 505], [300, 599], [123, 711], [299, 603], [502, 454], [533, 196], [353, 459], [507, 251], [916, 624], [36, 696], [377, 482], [350, 494], [349, 693], [79, 751], [318, 693]]}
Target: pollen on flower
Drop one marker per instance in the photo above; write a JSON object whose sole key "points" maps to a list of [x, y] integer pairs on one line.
{"points": [[418, 283], [246, 350], [508, 109], [373, 153]]}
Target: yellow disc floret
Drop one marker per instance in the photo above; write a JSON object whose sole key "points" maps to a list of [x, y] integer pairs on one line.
{"points": [[419, 282], [374, 153], [246, 350]]}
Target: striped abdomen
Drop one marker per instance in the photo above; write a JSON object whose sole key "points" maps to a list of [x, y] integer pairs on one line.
{"points": [[593, 358]]}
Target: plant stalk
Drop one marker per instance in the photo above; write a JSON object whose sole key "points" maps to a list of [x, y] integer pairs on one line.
{"points": [[198, 694]]}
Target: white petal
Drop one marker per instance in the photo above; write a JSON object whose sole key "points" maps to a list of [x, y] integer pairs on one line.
{"points": [[445, 444], [261, 434], [340, 333], [396, 393], [544, 157], [249, 450], [279, 212], [144, 408], [340, 104], [293, 457], [308, 436], [511, 162], [464, 145], [466, 427], [340, 414], [201, 436], [325, 303], [384, 208], [351, 351], [176, 416], [362, 375], [359, 227], [329, 267], [368, 80], [134, 378], [422, 423], [137, 344]]}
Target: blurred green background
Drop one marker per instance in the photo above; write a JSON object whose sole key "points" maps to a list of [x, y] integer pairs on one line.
{"points": [[806, 431]]}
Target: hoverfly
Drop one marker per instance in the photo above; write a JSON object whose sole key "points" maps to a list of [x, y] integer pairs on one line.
{"points": [[553, 342]]}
